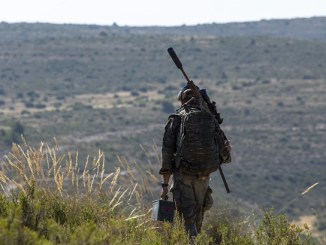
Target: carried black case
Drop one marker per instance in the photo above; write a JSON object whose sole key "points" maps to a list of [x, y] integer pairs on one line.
{"points": [[163, 210]]}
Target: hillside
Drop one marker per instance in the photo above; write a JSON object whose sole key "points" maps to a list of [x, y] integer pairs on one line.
{"points": [[301, 28], [112, 88]]}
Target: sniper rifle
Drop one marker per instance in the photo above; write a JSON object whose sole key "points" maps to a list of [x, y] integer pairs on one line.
{"points": [[204, 101]]}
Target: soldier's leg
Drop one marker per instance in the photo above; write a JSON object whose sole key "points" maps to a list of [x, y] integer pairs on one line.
{"points": [[185, 199], [200, 189]]}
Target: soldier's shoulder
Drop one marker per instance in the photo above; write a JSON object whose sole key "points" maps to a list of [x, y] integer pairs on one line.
{"points": [[175, 115], [181, 111]]}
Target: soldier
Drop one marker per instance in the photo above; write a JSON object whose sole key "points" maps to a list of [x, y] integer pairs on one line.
{"points": [[190, 189]]}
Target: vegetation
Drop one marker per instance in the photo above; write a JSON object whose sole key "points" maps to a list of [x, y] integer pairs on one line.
{"points": [[47, 199], [13, 135], [112, 88]]}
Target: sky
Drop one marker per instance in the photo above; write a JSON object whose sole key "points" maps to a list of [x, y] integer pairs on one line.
{"points": [[156, 12]]}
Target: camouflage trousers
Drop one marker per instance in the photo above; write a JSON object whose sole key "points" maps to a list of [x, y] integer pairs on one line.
{"points": [[192, 196]]}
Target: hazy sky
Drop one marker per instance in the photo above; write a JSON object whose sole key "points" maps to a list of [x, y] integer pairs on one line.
{"points": [[156, 12]]}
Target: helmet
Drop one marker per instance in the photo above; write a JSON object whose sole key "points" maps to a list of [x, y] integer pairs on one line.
{"points": [[185, 94]]}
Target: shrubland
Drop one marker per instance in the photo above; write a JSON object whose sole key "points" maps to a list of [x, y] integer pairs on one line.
{"points": [[47, 198], [113, 88]]}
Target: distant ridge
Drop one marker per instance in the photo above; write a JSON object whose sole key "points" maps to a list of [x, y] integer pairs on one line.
{"points": [[300, 28], [313, 28]]}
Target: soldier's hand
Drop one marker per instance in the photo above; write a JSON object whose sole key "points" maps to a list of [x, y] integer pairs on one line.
{"points": [[164, 193]]}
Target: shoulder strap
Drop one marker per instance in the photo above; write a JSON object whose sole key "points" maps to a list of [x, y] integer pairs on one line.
{"points": [[175, 116]]}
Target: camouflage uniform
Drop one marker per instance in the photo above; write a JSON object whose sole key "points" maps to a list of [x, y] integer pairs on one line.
{"points": [[191, 193]]}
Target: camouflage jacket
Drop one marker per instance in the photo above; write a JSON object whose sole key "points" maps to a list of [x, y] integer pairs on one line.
{"points": [[169, 144]]}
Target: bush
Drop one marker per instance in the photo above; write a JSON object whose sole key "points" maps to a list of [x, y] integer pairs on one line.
{"points": [[276, 229], [134, 93], [167, 107], [14, 134]]}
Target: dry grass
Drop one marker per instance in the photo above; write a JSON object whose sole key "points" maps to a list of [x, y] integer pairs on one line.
{"points": [[49, 170]]}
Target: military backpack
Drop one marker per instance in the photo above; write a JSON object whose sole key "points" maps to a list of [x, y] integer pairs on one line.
{"points": [[198, 144]]}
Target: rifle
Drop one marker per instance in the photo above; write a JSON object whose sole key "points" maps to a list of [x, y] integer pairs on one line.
{"points": [[204, 101]]}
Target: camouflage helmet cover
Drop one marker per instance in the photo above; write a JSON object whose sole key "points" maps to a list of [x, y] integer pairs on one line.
{"points": [[186, 93]]}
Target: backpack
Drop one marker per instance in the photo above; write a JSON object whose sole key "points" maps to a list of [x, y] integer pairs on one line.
{"points": [[198, 150]]}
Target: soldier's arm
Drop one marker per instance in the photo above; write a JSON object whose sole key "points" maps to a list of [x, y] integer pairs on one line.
{"points": [[169, 146], [168, 149]]}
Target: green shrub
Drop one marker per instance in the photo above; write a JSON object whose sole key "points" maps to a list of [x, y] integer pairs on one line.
{"points": [[277, 230]]}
